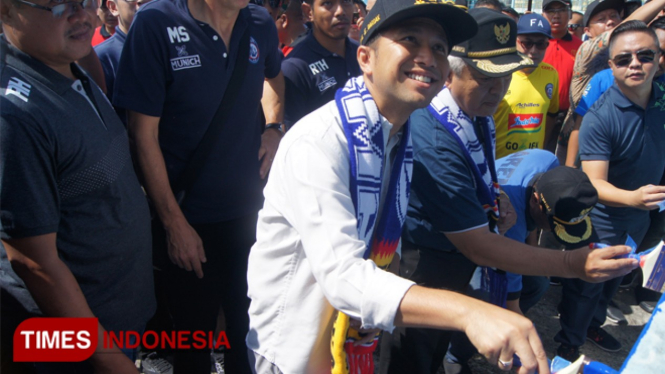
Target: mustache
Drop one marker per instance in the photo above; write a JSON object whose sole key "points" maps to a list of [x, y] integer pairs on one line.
{"points": [[79, 28]]}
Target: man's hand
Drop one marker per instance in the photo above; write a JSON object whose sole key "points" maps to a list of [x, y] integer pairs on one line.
{"points": [[185, 247], [647, 197], [367, 334], [507, 215], [498, 334], [269, 143], [599, 265]]}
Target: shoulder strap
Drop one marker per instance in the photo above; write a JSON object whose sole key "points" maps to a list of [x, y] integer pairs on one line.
{"points": [[195, 164]]}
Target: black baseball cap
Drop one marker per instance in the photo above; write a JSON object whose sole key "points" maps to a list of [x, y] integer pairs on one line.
{"points": [[547, 3], [600, 5], [492, 50], [567, 196], [456, 22]]}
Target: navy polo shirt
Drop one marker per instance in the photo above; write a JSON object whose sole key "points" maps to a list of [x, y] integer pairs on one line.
{"points": [[65, 168], [313, 74], [109, 55], [443, 191], [633, 141], [177, 68]]}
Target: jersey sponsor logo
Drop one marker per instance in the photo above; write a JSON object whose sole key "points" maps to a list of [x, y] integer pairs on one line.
{"points": [[253, 51], [549, 88], [177, 34], [186, 62], [527, 105], [182, 50], [524, 123], [318, 67], [18, 88], [326, 84]]}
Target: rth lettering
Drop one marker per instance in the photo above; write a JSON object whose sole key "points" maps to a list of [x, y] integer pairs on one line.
{"points": [[317, 67], [178, 34], [57, 339]]}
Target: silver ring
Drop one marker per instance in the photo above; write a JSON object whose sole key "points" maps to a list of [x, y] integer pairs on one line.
{"points": [[505, 365]]}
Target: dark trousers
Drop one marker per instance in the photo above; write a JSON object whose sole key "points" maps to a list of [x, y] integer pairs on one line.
{"points": [[418, 350], [584, 305], [194, 303]]}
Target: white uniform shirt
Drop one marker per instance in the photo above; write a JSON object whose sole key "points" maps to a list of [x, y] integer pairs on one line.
{"points": [[308, 260]]}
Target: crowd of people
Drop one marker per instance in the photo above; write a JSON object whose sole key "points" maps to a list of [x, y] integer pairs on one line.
{"points": [[340, 186]]}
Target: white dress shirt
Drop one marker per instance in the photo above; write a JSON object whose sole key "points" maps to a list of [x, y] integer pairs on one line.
{"points": [[308, 260]]}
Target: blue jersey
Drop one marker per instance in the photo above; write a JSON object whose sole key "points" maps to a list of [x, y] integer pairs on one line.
{"points": [[516, 174]]}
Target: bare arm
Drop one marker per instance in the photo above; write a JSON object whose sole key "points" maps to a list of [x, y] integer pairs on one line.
{"points": [[273, 109], [574, 143], [487, 249], [91, 64], [645, 197], [184, 245], [497, 333], [647, 12], [57, 293]]}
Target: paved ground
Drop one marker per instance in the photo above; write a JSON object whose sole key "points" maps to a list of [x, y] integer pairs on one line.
{"points": [[545, 318]]}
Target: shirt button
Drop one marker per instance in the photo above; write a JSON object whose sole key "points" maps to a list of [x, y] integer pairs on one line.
{"points": [[215, 37], [224, 55], [348, 73]]}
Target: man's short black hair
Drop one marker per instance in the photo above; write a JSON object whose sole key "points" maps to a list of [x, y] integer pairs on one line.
{"points": [[510, 10], [631, 26], [492, 4]]}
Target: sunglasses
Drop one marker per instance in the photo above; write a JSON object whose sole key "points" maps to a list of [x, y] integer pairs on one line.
{"points": [[528, 44], [65, 9], [574, 26], [624, 59]]}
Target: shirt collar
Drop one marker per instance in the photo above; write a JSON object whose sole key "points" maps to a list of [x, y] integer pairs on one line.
{"points": [[317, 48], [567, 37], [36, 69], [621, 101]]}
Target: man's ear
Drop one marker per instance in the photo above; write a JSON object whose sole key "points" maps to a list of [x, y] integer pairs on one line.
{"points": [[307, 11], [586, 31], [365, 55], [6, 11], [113, 7]]}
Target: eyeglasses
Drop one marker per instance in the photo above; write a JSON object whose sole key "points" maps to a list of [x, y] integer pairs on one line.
{"points": [[528, 44], [644, 56], [574, 26], [65, 9], [556, 10]]}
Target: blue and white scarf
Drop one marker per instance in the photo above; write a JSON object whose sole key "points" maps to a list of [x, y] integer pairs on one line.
{"points": [[381, 233], [481, 161]]}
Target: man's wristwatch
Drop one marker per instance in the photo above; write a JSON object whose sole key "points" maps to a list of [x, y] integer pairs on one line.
{"points": [[275, 125]]}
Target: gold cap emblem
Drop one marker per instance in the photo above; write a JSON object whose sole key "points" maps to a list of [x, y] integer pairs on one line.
{"points": [[502, 33]]}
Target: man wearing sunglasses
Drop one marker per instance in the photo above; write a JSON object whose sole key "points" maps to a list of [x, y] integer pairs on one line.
{"points": [[75, 223], [622, 148], [527, 113], [575, 26], [561, 55]]}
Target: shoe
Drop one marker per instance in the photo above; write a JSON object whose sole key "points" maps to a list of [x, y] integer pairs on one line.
{"points": [[568, 352], [648, 306], [615, 315], [217, 359], [155, 364], [603, 339]]}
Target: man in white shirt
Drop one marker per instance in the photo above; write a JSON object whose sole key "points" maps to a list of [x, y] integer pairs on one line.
{"points": [[310, 259]]}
